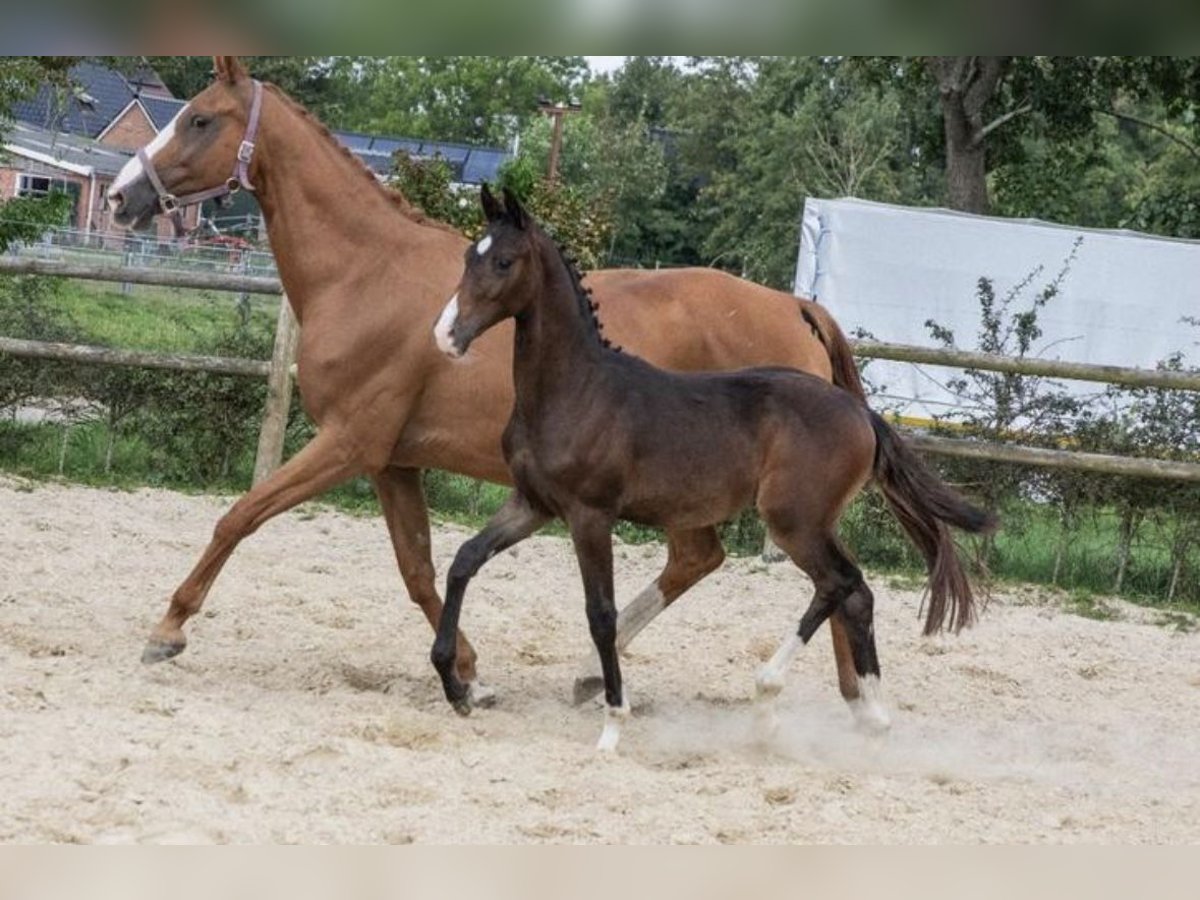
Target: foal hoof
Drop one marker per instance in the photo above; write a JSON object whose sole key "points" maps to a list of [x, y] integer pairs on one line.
{"points": [[159, 651], [587, 687], [480, 695], [462, 706]]}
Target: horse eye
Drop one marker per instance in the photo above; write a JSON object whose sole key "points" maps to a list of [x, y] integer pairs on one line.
{"points": [[199, 121], [504, 264]]}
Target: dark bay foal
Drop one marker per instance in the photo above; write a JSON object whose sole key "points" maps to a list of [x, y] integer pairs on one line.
{"points": [[597, 435]]}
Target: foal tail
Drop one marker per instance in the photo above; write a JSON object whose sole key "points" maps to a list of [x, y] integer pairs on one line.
{"points": [[925, 506], [841, 357]]}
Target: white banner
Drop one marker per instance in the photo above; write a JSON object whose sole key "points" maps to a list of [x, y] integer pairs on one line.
{"points": [[888, 269]]}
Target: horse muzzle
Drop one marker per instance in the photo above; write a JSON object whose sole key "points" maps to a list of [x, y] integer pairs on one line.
{"points": [[134, 205]]}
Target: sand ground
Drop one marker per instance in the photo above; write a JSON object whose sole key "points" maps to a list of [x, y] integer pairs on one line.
{"points": [[305, 708]]}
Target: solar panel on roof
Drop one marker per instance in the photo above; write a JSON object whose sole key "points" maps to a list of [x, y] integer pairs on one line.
{"points": [[355, 142], [448, 152], [386, 145], [483, 165]]}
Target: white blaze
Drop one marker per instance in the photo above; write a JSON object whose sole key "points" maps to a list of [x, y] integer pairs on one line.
{"points": [[442, 329], [484, 245], [133, 169]]}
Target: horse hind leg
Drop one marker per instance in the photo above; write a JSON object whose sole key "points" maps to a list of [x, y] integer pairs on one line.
{"points": [[858, 613], [691, 555], [403, 502]]}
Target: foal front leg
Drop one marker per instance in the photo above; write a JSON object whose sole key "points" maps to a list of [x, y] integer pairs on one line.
{"points": [[320, 465], [691, 554], [591, 533], [512, 523]]}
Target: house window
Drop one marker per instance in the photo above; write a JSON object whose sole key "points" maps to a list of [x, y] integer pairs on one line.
{"points": [[40, 186], [37, 186]]}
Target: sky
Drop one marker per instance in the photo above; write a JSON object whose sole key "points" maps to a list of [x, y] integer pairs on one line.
{"points": [[604, 64]]}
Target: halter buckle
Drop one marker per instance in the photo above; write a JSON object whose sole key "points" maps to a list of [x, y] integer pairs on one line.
{"points": [[169, 203], [245, 151], [233, 184]]}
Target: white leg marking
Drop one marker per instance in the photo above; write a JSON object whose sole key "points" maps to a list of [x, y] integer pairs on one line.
{"points": [[442, 329], [868, 708], [479, 694], [132, 169], [484, 245], [614, 717], [770, 677], [768, 683], [640, 612]]}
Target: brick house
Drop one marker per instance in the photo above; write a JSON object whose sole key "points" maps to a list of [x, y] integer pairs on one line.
{"points": [[78, 142]]}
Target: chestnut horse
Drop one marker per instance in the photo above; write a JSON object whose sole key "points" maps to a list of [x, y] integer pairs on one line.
{"points": [[597, 434], [366, 274]]}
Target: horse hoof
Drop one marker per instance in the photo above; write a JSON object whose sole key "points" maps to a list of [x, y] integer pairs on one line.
{"points": [[587, 687], [159, 651], [870, 718], [462, 707], [481, 695]]}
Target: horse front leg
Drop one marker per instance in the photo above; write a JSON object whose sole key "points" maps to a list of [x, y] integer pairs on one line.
{"points": [[512, 523], [691, 555], [591, 532], [404, 509], [320, 465]]}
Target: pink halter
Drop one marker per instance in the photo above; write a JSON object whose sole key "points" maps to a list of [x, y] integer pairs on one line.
{"points": [[173, 206]]}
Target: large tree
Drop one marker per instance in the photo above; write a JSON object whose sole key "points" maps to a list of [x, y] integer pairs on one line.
{"points": [[988, 105]]}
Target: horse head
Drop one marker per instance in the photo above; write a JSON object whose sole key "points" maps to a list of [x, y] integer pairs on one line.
{"points": [[204, 152], [496, 279]]}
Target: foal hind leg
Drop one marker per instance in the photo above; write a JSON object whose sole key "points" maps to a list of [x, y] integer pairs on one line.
{"points": [[691, 555], [320, 465], [403, 502], [857, 611], [512, 523], [835, 578]]}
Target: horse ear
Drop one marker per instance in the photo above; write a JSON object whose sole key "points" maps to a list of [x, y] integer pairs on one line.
{"points": [[229, 69], [516, 211], [491, 206]]}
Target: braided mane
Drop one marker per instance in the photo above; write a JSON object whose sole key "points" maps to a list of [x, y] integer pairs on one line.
{"points": [[393, 196], [588, 307]]}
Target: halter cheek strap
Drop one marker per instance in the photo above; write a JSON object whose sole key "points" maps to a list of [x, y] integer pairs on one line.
{"points": [[240, 178]]}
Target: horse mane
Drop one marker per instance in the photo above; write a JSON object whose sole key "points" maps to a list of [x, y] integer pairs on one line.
{"points": [[588, 308], [393, 196]]}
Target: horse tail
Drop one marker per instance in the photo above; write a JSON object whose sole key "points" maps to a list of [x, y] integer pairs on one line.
{"points": [[841, 358], [925, 505]]}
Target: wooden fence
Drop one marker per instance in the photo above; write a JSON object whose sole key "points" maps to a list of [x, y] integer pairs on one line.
{"points": [[280, 369]]}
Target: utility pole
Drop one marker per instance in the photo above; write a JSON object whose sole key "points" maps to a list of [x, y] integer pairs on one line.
{"points": [[557, 111]]}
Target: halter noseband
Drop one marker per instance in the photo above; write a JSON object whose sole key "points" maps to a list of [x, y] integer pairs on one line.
{"points": [[174, 206]]}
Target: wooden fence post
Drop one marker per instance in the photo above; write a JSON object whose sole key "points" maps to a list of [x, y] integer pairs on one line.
{"points": [[279, 394]]}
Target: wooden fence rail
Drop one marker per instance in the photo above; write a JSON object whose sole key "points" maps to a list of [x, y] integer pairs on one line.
{"points": [[280, 369], [212, 281], [108, 356], [1052, 368]]}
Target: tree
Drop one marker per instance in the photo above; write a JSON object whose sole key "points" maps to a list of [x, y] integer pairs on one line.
{"points": [[307, 79], [987, 105], [773, 131], [474, 99]]}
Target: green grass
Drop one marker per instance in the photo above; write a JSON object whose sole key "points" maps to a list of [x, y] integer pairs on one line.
{"points": [[173, 320]]}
